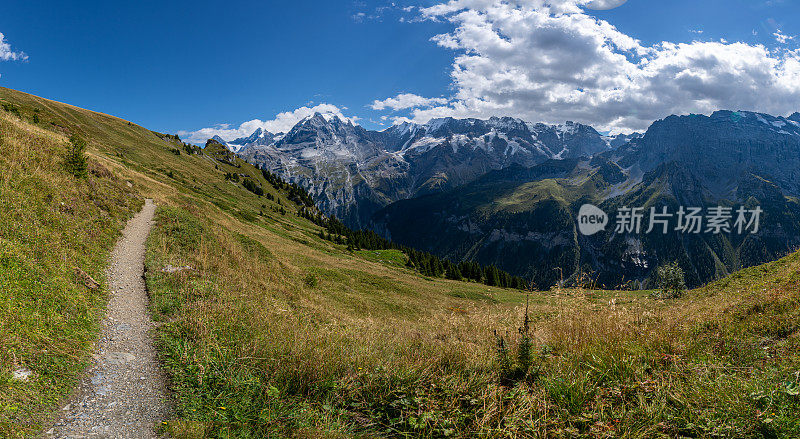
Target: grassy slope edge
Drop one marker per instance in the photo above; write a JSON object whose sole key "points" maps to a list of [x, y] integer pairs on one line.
{"points": [[274, 332], [51, 223]]}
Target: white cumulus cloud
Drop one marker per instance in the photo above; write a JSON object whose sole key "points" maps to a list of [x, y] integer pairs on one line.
{"points": [[6, 54], [550, 61], [282, 123], [602, 5], [406, 100], [781, 37]]}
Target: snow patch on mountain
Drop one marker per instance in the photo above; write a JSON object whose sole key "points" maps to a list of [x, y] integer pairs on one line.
{"points": [[424, 145]]}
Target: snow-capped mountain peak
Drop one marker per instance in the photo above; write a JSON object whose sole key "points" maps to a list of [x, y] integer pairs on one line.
{"points": [[323, 119]]}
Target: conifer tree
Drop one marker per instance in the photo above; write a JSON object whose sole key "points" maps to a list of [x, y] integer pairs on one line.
{"points": [[76, 161]]}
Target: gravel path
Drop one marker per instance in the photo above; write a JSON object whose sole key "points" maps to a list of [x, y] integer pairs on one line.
{"points": [[123, 394]]}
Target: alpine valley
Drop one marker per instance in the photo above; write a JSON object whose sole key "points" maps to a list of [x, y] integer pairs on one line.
{"points": [[506, 192]]}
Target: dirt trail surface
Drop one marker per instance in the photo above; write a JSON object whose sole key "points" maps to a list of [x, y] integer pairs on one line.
{"points": [[123, 394]]}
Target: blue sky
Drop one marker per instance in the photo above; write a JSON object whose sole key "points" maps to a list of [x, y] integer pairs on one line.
{"points": [[184, 66]]}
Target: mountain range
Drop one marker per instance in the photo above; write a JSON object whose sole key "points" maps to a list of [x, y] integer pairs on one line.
{"points": [[353, 172], [506, 192]]}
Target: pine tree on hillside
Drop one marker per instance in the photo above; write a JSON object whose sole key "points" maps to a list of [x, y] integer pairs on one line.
{"points": [[453, 272], [492, 276], [76, 162]]}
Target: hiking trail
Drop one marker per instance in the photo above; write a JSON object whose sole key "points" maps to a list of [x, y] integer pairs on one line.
{"points": [[123, 393]]}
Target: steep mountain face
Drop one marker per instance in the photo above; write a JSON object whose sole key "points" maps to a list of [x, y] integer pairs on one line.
{"points": [[704, 256], [342, 165], [259, 137], [623, 139], [353, 172], [726, 145], [523, 219], [571, 140]]}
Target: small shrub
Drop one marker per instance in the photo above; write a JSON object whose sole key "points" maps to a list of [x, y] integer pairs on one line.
{"points": [[505, 366], [251, 186], [525, 367], [670, 281], [311, 281], [13, 109], [192, 149], [75, 161]]}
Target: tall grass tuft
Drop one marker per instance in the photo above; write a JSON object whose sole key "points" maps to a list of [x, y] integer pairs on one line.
{"points": [[525, 347]]}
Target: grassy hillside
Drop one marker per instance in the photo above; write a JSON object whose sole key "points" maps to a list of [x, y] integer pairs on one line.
{"points": [[274, 332], [52, 223]]}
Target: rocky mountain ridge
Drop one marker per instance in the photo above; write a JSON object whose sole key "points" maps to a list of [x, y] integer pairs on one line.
{"points": [[353, 171]]}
